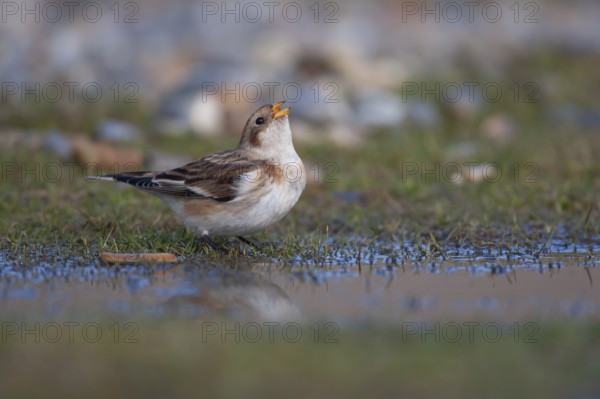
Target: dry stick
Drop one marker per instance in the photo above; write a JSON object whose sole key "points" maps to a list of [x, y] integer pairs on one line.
{"points": [[112, 257]]}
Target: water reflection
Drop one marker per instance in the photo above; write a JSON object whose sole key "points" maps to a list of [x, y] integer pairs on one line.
{"points": [[553, 286], [237, 293]]}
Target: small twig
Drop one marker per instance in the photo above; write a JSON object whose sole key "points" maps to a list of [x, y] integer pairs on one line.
{"points": [[112, 257]]}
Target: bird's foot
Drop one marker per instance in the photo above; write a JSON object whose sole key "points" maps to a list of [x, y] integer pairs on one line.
{"points": [[250, 243], [215, 247]]}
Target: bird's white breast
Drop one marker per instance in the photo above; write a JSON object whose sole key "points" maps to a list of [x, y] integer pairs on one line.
{"points": [[258, 204]]}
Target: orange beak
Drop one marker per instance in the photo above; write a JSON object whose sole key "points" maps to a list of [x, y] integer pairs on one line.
{"points": [[278, 112]]}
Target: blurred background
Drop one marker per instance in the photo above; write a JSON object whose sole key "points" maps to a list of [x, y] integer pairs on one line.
{"points": [[122, 70]]}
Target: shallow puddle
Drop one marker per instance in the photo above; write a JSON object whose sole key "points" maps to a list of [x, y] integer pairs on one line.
{"points": [[479, 286]]}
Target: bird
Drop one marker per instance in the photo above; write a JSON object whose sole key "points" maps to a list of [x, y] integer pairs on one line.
{"points": [[236, 192]]}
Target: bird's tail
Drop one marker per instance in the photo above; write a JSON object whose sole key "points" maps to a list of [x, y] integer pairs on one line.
{"points": [[133, 178], [147, 181], [103, 177]]}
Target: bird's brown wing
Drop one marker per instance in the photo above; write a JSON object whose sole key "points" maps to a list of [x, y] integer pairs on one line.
{"points": [[218, 176]]}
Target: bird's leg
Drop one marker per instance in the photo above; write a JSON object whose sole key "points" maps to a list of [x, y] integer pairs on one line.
{"points": [[250, 243], [216, 247]]}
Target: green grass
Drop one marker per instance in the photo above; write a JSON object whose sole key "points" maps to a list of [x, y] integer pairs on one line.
{"points": [[395, 195], [548, 187], [366, 199]]}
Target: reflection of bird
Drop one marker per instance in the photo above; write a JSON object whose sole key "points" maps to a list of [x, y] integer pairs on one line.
{"points": [[236, 192], [240, 294]]}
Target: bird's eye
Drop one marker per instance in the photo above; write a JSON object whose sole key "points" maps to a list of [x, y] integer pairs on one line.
{"points": [[260, 121]]}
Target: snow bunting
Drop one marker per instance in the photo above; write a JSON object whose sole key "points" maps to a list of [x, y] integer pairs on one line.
{"points": [[236, 192]]}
